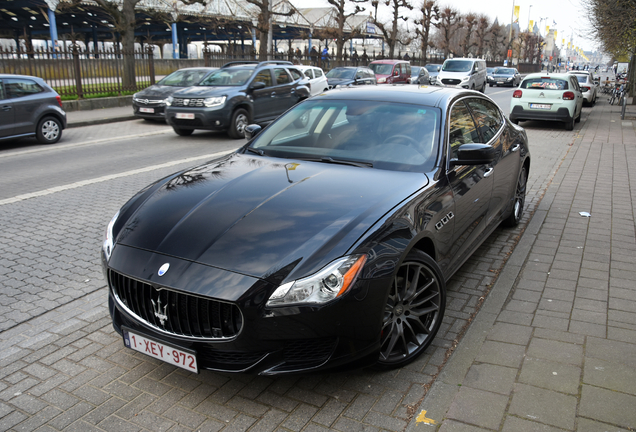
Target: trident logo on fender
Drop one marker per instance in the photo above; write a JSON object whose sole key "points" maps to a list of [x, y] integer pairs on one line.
{"points": [[161, 314]]}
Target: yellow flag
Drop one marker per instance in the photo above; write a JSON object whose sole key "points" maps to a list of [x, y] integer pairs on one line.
{"points": [[531, 26], [555, 33], [547, 29], [517, 9], [563, 41]]}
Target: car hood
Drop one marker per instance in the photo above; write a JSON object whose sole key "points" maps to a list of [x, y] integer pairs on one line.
{"points": [[502, 76], [203, 91], [158, 91], [255, 215]]}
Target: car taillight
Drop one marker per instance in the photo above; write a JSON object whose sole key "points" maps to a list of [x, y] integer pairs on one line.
{"points": [[585, 89], [59, 100], [517, 94], [568, 96]]}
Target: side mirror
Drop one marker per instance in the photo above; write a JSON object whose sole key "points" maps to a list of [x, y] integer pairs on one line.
{"points": [[251, 131], [474, 154], [396, 72], [439, 68], [257, 85]]}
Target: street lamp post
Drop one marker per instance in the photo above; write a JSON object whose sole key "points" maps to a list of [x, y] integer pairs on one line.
{"points": [[529, 9], [374, 3]]}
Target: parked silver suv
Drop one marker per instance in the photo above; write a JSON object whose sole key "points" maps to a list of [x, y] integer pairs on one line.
{"points": [[29, 107]]}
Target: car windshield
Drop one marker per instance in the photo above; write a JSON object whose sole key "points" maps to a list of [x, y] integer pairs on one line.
{"points": [[457, 66], [385, 135], [504, 71], [490, 70], [545, 83], [381, 68], [341, 73], [184, 77], [581, 78], [228, 77], [432, 67]]}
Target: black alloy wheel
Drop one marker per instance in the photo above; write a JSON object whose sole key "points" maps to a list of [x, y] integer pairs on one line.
{"points": [[49, 130], [413, 312], [240, 120], [519, 200], [183, 132]]}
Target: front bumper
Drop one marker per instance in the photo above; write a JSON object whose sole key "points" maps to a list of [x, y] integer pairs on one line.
{"points": [[518, 113], [158, 111], [213, 118], [270, 341]]}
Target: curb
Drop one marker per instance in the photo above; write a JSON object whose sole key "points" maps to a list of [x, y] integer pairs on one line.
{"points": [[96, 103], [99, 121]]}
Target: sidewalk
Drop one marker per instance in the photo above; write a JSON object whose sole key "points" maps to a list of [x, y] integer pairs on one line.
{"points": [[554, 346], [99, 116]]}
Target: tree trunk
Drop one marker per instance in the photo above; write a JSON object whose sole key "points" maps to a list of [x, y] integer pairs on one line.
{"points": [[128, 45]]}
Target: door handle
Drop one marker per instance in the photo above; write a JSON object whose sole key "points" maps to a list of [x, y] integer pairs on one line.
{"points": [[273, 94], [6, 108], [515, 148], [489, 172]]}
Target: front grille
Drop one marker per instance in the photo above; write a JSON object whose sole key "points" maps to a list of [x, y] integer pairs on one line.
{"points": [[183, 102], [185, 122], [174, 312], [449, 81], [150, 101], [308, 353], [228, 360]]}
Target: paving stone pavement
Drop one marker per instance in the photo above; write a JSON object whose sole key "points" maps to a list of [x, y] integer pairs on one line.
{"points": [[62, 366], [554, 347]]}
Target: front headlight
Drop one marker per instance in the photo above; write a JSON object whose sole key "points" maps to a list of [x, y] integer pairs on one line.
{"points": [[135, 97], [465, 79], [214, 101], [169, 100], [107, 246], [381, 80], [509, 79], [329, 283]]}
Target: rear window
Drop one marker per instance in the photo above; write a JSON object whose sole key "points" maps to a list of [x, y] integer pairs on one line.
{"points": [[381, 68], [544, 83], [581, 78]]}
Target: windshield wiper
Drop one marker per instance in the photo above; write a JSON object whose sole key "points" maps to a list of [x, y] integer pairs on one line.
{"points": [[328, 159], [257, 151]]}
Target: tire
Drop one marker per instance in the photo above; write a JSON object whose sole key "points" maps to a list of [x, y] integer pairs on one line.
{"points": [[183, 132], [413, 312], [483, 88], [578, 119], [240, 119], [490, 85], [519, 200], [49, 130], [569, 125]]}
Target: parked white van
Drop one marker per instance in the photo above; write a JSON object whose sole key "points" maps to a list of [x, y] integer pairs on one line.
{"points": [[468, 73]]}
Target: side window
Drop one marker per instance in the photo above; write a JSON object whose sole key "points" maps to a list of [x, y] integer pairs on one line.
{"points": [[296, 74], [281, 76], [370, 74], [317, 73], [264, 76], [1, 90], [461, 128], [487, 116], [360, 74], [18, 87]]}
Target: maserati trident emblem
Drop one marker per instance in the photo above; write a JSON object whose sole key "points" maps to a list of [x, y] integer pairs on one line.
{"points": [[159, 313], [163, 269]]}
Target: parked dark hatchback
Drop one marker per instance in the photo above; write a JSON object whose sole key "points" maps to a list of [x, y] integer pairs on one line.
{"points": [[29, 107], [321, 242], [350, 75], [150, 103], [237, 94]]}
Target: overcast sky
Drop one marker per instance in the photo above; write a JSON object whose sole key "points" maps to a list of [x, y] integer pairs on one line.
{"points": [[568, 15]]}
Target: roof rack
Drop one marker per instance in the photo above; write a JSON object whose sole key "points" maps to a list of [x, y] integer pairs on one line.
{"points": [[251, 62]]}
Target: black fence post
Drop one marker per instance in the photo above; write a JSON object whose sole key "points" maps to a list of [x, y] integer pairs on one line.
{"points": [[151, 64]]}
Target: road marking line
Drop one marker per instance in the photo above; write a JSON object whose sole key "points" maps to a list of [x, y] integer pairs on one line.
{"points": [[69, 146], [109, 177]]}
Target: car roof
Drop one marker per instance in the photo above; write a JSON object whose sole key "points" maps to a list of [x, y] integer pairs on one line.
{"points": [[563, 76], [419, 95], [388, 61]]}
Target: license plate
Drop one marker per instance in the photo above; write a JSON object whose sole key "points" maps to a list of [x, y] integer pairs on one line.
{"points": [[541, 106], [500, 82], [147, 110], [185, 359], [186, 116]]}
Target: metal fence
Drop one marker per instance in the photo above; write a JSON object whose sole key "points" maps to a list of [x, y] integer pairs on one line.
{"points": [[82, 73], [74, 72]]}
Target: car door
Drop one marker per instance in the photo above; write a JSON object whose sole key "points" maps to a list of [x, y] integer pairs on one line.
{"points": [[6, 113], [490, 124], [23, 94], [263, 99], [574, 83], [283, 91], [471, 184]]}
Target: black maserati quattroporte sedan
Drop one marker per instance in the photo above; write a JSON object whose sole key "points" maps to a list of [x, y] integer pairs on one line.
{"points": [[326, 240]]}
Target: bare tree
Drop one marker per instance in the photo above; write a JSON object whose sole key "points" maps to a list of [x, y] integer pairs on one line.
{"points": [[449, 18], [430, 12], [497, 42], [265, 13], [483, 23], [338, 32], [390, 30], [470, 22]]}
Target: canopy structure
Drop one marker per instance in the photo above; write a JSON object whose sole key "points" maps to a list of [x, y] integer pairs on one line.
{"points": [[164, 21]]}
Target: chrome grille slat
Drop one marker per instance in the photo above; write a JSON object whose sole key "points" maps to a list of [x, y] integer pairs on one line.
{"points": [[190, 102], [188, 315]]}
